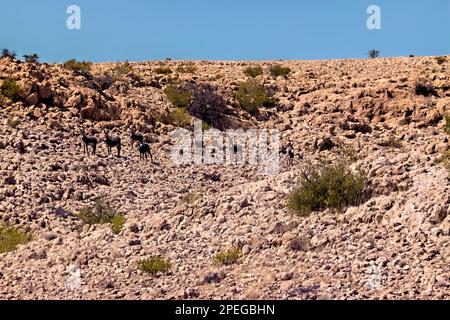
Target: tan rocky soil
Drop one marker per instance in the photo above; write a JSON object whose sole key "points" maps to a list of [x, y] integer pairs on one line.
{"points": [[403, 231]]}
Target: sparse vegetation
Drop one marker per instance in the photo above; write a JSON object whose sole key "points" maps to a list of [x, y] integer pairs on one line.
{"points": [[444, 160], [447, 124], [121, 70], [254, 72], [31, 58], [81, 66], [279, 71], [187, 68], [349, 154], [117, 223], [328, 186], [10, 238], [180, 117], [179, 98], [169, 231], [251, 96], [6, 53], [392, 143], [229, 257], [424, 88], [441, 60], [190, 198], [373, 54], [102, 213], [154, 264], [13, 122], [162, 70], [10, 89]]}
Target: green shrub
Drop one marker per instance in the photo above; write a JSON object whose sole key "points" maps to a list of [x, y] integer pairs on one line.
{"points": [[117, 223], [154, 264], [101, 213], [31, 58], [279, 71], [179, 98], [251, 96], [374, 54], [162, 70], [271, 102], [441, 60], [10, 238], [11, 89], [327, 186], [180, 117], [229, 257], [74, 65], [13, 122], [447, 124], [254, 72], [187, 68], [444, 160]]}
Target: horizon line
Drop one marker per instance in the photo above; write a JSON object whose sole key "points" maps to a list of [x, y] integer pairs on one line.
{"points": [[168, 59]]}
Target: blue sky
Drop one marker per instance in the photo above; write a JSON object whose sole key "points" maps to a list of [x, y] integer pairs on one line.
{"points": [[223, 29]]}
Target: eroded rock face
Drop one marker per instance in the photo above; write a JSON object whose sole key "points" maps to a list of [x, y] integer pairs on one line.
{"points": [[396, 245]]}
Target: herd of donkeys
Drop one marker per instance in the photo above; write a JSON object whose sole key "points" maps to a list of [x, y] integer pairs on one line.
{"points": [[116, 142], [144, 148]]}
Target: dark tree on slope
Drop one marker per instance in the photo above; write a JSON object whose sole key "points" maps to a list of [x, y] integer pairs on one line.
{"points": [[6, 53], [209, 106], [31, 58], [374, 54]]}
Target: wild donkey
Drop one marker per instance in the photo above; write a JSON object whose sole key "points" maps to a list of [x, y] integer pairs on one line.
{"points": [[136, 137], [89, 141], [144, 151], [112, 142], [237, 152], [288, 150]]}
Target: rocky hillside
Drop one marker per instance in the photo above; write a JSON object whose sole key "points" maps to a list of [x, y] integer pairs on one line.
{"points": [[388, 114]]}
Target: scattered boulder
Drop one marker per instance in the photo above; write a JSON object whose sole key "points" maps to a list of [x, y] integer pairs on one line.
{"points": [[213, 277]]}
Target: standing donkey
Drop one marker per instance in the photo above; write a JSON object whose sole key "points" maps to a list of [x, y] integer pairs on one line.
{"points": [[144, 151], [136, 137], [113, 142], [89, 141], [289, 152]]}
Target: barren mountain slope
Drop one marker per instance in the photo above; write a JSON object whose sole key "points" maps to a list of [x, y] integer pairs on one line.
{"points": [[396, 245]]}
